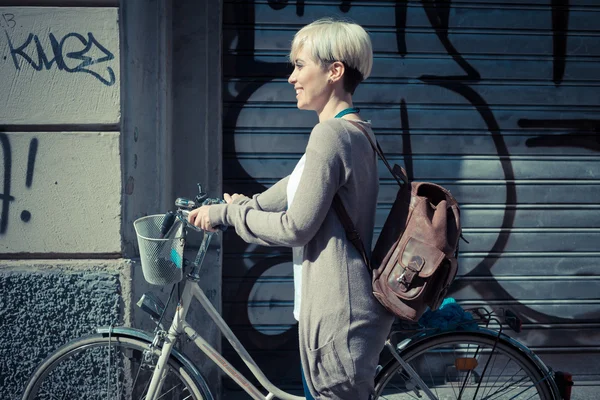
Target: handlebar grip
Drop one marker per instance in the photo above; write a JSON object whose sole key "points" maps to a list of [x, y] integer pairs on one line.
{"points": [[185, 214], [167, 224]]}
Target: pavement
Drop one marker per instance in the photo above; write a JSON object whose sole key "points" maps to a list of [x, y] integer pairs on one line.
{"points": [[591, 391]]}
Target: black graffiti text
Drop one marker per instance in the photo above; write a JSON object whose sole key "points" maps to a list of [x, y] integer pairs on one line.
{"points": [[5, 196], [7, 20], [281, 4], [32, 49]]}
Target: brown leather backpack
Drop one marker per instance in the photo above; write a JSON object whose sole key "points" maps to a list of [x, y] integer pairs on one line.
{"points": [[415, 257]]}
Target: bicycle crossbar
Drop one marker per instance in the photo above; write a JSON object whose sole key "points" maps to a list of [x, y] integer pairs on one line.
{"points": [[198, 293]]}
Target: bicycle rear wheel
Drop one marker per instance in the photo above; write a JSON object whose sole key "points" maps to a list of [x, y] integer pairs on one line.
{"points": [[465, 365], [116, 368]]}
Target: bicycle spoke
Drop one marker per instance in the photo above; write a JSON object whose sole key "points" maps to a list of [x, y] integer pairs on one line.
{"points": [[465, 381], [145, 391], [431, 377], [470, 366], [513, 375], [506, 389], [400, 389], [448, 378], [168, 391], [137, 375], [531, 397], [499, 375], [518, 394], [80, 369]]}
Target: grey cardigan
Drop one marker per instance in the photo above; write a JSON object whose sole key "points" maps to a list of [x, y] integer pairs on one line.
{"points": [[342, 326]]}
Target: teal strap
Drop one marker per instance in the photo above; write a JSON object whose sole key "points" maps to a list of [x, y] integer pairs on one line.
{"points": [[351, 110]]}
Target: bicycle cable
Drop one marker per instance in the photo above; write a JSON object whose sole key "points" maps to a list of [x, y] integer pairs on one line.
{"points": [[165, 309]]}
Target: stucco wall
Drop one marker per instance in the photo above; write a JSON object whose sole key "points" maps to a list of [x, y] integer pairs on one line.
{"points": [[59, 67], [60, 192], [64, 192], [76, 173], [43, 304]]}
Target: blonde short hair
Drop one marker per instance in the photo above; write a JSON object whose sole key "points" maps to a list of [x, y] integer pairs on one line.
{"points": [[337, 40]]}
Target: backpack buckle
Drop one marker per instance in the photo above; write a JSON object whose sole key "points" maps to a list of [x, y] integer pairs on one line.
{"points": [[413, 268]]}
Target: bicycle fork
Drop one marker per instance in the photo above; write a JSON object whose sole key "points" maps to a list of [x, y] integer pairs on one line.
{"points": [[178, 323]]}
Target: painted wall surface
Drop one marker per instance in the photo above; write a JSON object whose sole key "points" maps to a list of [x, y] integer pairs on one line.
{"points": [[59, 65], [60, 188], [66, 147], [496, 100], [62, 192]]}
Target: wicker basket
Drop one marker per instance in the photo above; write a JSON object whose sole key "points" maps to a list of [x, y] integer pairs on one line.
{"points": [[162, 258]]}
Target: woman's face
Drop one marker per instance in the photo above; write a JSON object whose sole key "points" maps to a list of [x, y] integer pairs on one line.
{"points": [[310, 82]]}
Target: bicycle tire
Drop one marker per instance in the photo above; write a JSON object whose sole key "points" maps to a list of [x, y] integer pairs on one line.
{"points": [[503, 371], [78, 370]]}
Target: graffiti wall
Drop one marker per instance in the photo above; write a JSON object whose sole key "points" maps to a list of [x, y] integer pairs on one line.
{"points": [[497, 101], [60, 182], [59, 135]]}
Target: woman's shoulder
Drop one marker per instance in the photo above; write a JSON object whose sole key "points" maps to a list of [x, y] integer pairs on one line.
{"points": [[330, 136], [341, 125], [340, 133]]}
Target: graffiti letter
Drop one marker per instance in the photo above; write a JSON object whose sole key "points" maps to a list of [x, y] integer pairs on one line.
{"points": [[9, 18], [5, 196], [19, 51], [87, 61]]}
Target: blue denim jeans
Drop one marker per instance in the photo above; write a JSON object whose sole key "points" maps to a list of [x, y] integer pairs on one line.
{"points": [[306, 391]]}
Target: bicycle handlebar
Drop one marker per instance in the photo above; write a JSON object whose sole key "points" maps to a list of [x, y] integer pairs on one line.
{"points": [[184, 207]]}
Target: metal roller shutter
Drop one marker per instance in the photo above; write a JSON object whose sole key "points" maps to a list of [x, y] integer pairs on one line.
{"points": [[497, 100]]}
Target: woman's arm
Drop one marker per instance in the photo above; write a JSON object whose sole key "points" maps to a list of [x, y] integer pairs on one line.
{"points": [[325, 171], [273, 199]]}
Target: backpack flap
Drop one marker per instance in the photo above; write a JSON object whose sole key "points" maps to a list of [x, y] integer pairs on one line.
{"points": [[411, 268]]}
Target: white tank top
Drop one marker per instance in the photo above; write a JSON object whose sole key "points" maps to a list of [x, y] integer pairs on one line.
{"points": [[297, 252]]}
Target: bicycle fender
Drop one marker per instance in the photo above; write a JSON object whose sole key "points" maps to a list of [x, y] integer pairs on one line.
{"points": [[147, 337]]}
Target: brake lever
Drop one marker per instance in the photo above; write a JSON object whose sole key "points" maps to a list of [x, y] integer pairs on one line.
{"points": [[187, 205]]}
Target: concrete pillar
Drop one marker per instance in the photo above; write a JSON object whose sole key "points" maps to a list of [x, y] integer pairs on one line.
{"points": [[197, 139], [172, 133]]}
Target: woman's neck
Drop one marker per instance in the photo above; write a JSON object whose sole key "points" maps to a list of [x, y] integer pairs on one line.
{"points": [[334, 106]]}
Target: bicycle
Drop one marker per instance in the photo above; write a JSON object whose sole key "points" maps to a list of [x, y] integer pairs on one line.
{"points": [[468, 361]]}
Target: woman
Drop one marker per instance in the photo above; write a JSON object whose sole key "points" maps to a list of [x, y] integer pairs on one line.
{"points": [[342, 327]]}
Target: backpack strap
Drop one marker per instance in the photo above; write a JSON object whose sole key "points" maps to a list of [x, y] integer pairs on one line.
{"points": [[351, 232], [396, 172]]}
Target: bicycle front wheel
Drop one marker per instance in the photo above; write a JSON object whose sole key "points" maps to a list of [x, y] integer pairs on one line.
{"points": [[464, 365], [116, 368]]}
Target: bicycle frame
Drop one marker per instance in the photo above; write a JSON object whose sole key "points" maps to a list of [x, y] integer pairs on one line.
{"points": [[180, 325]]}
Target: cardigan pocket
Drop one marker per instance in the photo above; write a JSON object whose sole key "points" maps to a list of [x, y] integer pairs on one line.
{"points": [[327, 371]]}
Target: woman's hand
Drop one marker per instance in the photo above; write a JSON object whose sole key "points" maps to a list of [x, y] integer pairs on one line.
{"points": [[199, 217], [230, 198]]}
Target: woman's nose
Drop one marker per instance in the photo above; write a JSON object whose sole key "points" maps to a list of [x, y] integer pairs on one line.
{"points": [[292, 79]]}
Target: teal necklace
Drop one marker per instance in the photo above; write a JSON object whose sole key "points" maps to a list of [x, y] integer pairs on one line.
{"points": [[351, 110]]}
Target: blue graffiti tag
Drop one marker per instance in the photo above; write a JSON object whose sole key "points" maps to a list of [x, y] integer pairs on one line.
{"points": [[59, 59]]}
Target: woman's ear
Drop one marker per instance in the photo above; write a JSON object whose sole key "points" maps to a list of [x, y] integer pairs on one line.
{"points": [[336, 71]]}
